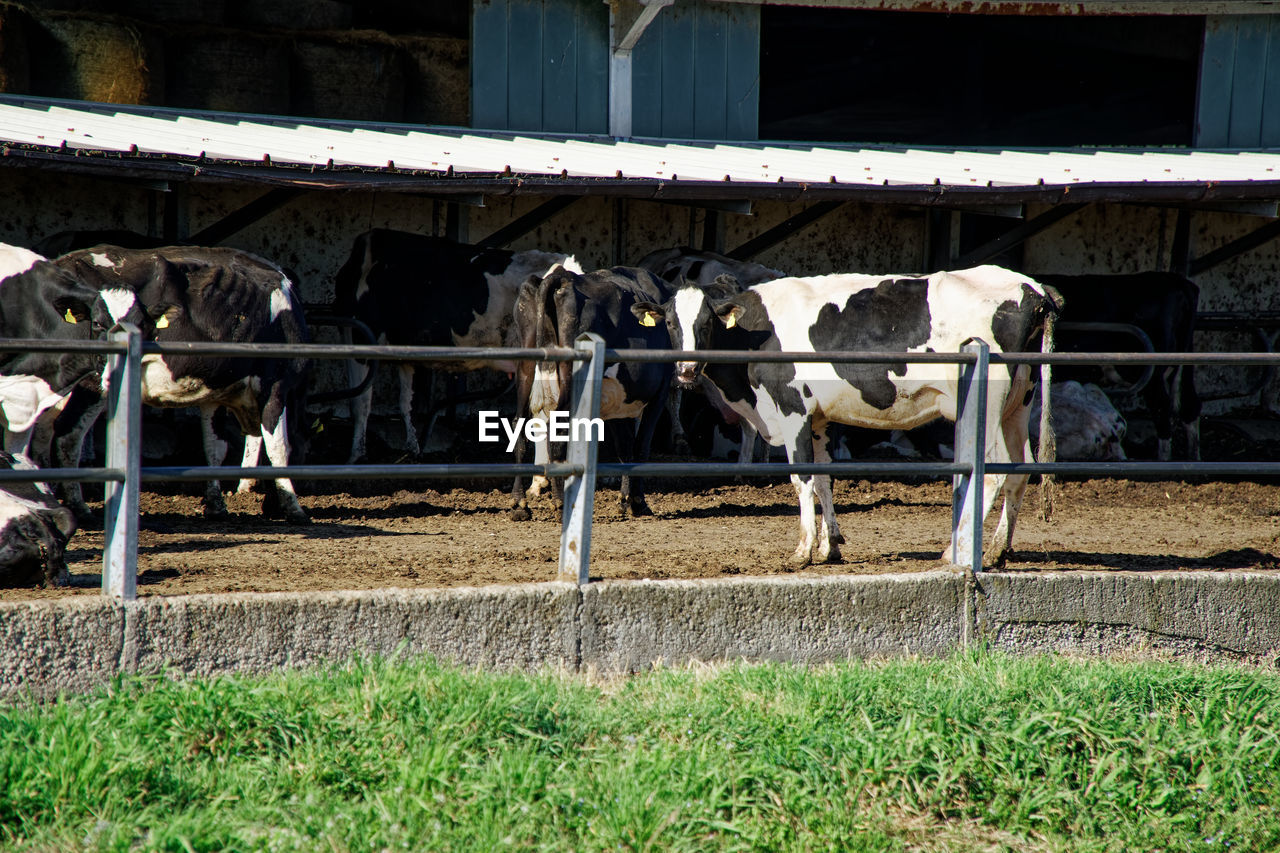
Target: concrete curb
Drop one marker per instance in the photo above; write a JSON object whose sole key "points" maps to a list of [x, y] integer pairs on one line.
{"points": [[52, 647]]}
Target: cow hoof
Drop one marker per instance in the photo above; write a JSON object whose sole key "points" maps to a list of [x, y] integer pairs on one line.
{"points": [[682, 448], [520, 512], [833, 555], [216, 512], [639, 510], [801, 557], [299, 517]]}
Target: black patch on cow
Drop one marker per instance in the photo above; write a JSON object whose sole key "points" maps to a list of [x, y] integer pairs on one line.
{"points": [[695, 270], [805, 390], [753, 331], [893, 316]]}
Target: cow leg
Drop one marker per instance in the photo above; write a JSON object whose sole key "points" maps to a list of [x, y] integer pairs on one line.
{"points": [[799, 451], [1159, 397], [1011, 444], [679, 441], [252, 449], [70, 430], [361, 406], [215, 452], [524, 382], [275, 437], [747, 450], [1188, 406], [406, 409], [829, 536]]}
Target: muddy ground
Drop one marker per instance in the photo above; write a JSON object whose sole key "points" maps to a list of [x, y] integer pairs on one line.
{"points": [[370, 535]]}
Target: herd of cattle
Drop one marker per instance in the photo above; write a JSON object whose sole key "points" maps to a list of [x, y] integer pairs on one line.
{"points": [[427, 291]]}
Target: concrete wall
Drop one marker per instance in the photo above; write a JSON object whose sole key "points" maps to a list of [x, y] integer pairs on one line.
{"points": [[614, 627]]}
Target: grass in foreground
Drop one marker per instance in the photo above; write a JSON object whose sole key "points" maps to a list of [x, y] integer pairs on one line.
{"points": [[976, 752]]}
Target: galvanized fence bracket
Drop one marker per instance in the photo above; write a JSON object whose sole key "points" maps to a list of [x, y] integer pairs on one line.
{"points": [[123, 373], [580, 489], [971, 444]]}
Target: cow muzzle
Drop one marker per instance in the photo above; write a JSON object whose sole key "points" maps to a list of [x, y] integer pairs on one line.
{"points": [[687, 373]]}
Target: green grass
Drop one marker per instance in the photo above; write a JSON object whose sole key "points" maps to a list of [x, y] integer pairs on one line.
{"points": [[976, 752]]}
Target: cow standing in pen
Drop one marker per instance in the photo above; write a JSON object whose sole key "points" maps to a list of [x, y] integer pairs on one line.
{"points": [[552, 312], [192, 294], [416, 290], [791, 404], [718, 275]]}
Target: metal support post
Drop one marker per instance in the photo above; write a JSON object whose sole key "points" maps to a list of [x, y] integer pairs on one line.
{"points": [[971, 445], [124, 453], [580, 489]]}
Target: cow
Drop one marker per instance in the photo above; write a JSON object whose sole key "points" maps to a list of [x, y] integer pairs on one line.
{"points": [[1161, 304], [187, 293], [552, 312], [34, 530], [719, 275], [417, 290], [40, 300], [1086, 424], [791, 404]]}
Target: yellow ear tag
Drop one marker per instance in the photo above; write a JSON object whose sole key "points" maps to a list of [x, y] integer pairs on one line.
{"points": [[731, 320], [69, 317], [647, 319], [163, 322]]}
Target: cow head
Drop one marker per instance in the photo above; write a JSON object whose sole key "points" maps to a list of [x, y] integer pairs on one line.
{"points": [[690, 315]]}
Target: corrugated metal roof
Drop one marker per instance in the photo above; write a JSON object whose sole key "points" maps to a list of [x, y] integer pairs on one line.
{"points": [[105, 135]]}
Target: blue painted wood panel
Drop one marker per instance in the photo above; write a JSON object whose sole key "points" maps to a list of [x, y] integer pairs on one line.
{"points": [[1239, 97], [695, 73], [540, 65]]}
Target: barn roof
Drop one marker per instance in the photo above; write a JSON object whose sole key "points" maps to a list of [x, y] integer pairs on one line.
{"points": [[169, 144]]}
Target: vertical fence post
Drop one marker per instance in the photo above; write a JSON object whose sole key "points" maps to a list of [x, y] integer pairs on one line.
{"points": [[580, 490], [124, 453], [971, 445]]}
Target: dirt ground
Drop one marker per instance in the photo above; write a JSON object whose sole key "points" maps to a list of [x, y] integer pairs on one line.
{"points": [[463, 537], [372, 535]]}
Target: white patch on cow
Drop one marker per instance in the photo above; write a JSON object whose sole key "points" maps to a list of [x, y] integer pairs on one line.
{"points": [[15, 260], [687, 305], [545, 392], [119, 302], [22, 400], [162, 389], [281, 300], [101, 260]]}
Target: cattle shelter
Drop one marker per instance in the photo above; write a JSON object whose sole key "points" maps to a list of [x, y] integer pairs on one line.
{"points": [[1118, 137]]}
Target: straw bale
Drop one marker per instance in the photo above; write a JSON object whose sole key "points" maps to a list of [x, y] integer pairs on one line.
{"points": [[95, 59], [228, 70], [291, 14], [438, 85], [347, 78], [15, 58], [211, 12]]}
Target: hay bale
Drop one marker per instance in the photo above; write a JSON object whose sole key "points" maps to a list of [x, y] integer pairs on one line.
{"points": [[229, 71], [95, 59], [292, 14], [15, 59], [348, 78], [438, 85], [211, 12]]}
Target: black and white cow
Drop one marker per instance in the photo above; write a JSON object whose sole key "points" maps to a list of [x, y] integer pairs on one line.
{"points": [[552, 312], [1163, 305], [791, 404], [718, 275], [186, 293], [417, 290], [34, 529], [40, 300]]}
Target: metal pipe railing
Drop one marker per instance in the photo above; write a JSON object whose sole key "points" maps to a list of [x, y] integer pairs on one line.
{"points": [[123, 474]]}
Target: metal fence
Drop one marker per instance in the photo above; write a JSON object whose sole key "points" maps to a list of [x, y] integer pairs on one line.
{"points": [[124, 475]]}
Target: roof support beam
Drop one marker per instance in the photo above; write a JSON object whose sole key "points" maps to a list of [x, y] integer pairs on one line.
{"points": [[627, 22], [783, 230], [1247, 243], [1017, 234], [522, 225], [261, 206]]}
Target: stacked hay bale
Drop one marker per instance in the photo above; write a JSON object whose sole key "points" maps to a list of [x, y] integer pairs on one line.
{"points": [[298, 57]]}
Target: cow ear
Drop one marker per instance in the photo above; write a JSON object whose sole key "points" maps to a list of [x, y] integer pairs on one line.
{"points": [[727, 284], [72, 310], [729, 314], [647, 313]]}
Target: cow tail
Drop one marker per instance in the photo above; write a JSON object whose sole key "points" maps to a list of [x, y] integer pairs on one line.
{"points": [[1048, 450]]}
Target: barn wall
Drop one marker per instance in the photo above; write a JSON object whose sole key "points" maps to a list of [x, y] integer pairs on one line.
{"points": [[312, 235]]}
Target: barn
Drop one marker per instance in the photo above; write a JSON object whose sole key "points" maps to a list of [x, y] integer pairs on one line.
{"points": [[1109, 137]]}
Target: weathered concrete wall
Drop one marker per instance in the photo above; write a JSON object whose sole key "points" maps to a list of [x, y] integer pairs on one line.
{"points": [[50, 647]]}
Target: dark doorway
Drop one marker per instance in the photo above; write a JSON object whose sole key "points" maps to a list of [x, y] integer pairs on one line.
{"points": [[977, 80]]}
